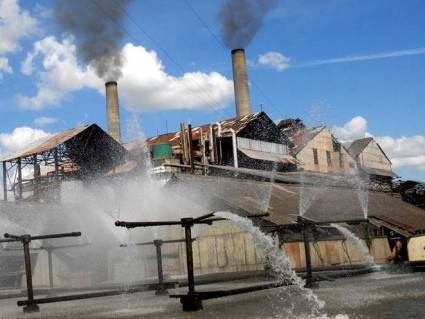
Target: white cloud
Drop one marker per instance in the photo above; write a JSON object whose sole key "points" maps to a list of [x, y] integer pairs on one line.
{"points": [[20, 138], [4, 66], [43, 120], [144, 85], [15, 24], [404, 152], [61, 73], [354, 129], [274, 60]]}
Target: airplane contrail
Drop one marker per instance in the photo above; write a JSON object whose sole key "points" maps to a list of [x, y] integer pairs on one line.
{"points": [[356, 58]]}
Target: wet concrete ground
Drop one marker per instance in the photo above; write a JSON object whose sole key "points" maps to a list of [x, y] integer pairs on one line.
{"points": [[377, 295]]}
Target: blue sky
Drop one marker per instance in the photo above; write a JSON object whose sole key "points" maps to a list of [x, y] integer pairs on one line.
{"points": [[388, 93]]}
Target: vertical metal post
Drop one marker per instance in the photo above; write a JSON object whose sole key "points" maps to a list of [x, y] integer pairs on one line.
{"points": [[4, 182], [50, 262], [19, 168], [190, 302], [191, 157], [31, 307], [160, 289], [57, 174], [189, 256], [307, 230], [36, 176]]}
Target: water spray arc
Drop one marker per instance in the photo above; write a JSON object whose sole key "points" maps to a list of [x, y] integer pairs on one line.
{"points": [[192, 301]]}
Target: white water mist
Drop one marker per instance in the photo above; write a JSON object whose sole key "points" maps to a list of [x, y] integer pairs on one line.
{"points": [[356, 242]]}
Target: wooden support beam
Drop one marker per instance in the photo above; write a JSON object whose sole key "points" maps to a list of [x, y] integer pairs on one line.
{"points": [[19, 168], [4, 182]]}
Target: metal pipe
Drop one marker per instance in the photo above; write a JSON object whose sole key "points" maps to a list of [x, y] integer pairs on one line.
{"points": [[145, 224], [163, 242], [218, 129], [19, 168], [235, 148], [160, 289], [31, 307], [36, 176], [84, 296], [219, 149], [50, 263], [211, 145], [73, 234], [309, 277], [187, 224], [57, 174], [191, 157]]}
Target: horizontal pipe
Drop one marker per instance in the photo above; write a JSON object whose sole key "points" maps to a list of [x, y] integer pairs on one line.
{"points": [[203, 217], [146, 224], [205, 295], [84, 296], [162, 242], [9, 240], [7, 235], [18, 238], [73, 234]]}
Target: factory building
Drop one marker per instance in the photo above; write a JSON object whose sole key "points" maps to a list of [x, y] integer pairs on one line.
{"points": [[373, 161], [317, 149], [250, 141]]}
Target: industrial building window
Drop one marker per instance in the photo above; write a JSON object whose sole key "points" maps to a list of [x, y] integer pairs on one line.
{"points": [[341, 160], [315, 156], [328, 157]]}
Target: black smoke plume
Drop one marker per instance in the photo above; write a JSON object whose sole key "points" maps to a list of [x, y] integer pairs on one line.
{"points": [[241, 19], [97, 28]]}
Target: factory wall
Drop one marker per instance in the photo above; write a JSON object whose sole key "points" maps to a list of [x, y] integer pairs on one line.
{"points": [[323, 142]]}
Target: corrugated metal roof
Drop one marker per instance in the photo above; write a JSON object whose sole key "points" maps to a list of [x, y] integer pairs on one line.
{"points": [[48, 144], [236, 123], [271, 157], [282, 201], [357, 146], [300, 138]]}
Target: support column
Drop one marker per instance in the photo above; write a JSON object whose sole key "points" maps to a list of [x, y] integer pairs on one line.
{"points": [[191, 157], [19, 168], [4, 182], [57, 188], [31, 307], [160, 290], [36, 177], [307, 232], [190, 302], [50, 262]]}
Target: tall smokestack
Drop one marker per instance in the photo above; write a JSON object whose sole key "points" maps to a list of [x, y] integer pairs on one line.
{"points": [[240, 82], [113, 110]]}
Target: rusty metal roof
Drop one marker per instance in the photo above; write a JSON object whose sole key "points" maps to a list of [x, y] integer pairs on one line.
{"points": [[47, 143], [235, 123], [300, 137], [283, 201]]}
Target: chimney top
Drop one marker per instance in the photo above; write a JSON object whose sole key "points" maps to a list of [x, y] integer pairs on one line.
{"points": [[237, 49]]}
